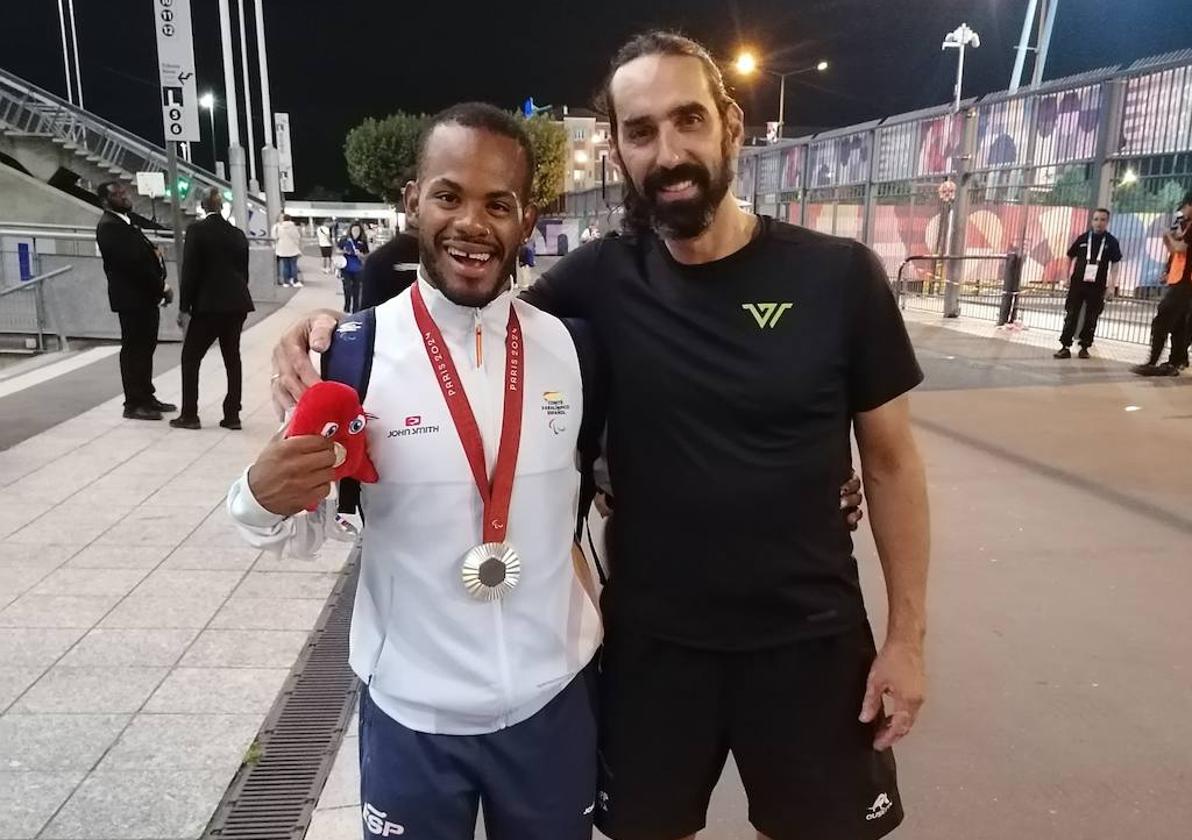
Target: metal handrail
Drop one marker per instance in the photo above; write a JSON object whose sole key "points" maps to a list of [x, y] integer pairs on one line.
{"points": [[43, 314], [32, 281], [38, 112], [78, 233], [1007, 312]]}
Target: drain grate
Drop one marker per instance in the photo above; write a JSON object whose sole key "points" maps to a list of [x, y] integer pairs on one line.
{"points": [[273, 798]]}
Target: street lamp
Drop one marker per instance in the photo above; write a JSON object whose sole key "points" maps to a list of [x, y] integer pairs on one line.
{"points": [[958, 39], [747, 64], [207, 100]]}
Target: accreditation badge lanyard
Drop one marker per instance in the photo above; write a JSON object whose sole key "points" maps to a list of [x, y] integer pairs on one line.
{"points": [[493, 568], [1090, 267]]}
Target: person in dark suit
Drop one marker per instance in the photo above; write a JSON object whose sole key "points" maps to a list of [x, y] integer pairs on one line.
{"points": [[213, 305], [136, 289]]}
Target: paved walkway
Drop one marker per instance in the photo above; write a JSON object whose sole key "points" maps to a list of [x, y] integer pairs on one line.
{"points": [[141, 643]]}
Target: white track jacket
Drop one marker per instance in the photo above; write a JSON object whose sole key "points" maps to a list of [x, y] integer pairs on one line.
{"points": [[436, 660]]}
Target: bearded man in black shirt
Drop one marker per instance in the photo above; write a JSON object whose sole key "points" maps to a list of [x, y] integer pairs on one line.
{"points": [[742, 352]]}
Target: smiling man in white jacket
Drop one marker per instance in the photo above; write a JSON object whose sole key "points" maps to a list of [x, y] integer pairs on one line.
{"points": [[471, 627]]}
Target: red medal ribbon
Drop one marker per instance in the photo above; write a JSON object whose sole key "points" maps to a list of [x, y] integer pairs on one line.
{"points": [[499, 493]]}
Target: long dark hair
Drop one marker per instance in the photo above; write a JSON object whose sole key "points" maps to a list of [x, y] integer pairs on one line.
{"points": [[657, 42]]}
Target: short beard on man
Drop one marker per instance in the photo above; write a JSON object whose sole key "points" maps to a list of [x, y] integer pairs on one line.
{"points": [[684, 219]]}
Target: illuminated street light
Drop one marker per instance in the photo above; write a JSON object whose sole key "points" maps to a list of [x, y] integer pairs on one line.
{"points": [[959, 39], [747, 64], [207, 101]]}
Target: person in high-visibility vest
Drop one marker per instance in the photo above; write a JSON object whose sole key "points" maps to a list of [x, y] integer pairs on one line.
{"points": [[1172, 317]]}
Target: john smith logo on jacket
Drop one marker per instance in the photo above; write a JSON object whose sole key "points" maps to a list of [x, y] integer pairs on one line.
{"points": [[413, 426]]}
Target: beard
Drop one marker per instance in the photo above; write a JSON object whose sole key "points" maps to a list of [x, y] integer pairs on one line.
{"points": [[686, 218]]}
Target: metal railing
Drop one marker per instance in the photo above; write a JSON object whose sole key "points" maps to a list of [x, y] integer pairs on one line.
{"points": [[28, 110], [968, 294], [1040, 306], [24, 310]]}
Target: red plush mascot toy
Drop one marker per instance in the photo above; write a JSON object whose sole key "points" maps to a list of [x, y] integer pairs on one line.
{"points": [[333, 410]]}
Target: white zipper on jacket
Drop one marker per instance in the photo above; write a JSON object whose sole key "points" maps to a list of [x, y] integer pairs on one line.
{"points": [[479, 338]]}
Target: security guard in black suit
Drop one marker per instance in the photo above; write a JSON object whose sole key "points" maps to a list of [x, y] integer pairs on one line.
{"points": [[136, 289], [213, 304]]}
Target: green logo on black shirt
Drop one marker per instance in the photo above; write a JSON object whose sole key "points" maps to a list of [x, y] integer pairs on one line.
{"points": [[766, 314]]}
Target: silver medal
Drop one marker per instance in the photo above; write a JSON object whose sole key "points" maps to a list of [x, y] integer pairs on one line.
{"points": [[490, 571]]}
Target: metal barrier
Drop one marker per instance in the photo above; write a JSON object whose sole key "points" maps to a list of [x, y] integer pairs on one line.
{"points": [[28, 110], [985, 301], [23, 310], [1037, 306]]}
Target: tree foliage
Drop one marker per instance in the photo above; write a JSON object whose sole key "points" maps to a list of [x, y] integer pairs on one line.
{"points": [[381, 154], [549, 139]]}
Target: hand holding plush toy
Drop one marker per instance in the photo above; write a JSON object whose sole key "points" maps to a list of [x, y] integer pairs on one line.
{"points": [[333, 410]]}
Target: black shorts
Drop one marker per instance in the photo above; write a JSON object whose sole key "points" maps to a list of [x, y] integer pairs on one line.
{"points": [[325, 250], [670, 715]]}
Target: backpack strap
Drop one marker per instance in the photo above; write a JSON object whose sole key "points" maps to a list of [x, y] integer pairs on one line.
{"points": [[349, 360], [589, 447]]}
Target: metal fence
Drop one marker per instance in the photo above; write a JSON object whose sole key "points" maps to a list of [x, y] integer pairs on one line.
{"points": [[1029, 167], [27, 311], [80, 300], [27, 110]]}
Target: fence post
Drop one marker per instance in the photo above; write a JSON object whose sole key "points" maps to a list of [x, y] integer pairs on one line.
{"points": [[867, 211], [960, 210], [1109, 138], [1011, 282]]}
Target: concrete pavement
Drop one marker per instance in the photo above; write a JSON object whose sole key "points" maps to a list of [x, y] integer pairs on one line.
{"points": [[1059, 648], [140, 645]]}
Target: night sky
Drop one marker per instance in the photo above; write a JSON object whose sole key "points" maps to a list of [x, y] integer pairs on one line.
{"points": [[334, 63]]}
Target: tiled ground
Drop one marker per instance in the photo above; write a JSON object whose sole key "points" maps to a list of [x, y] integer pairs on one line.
{"points": [[141, 643]]}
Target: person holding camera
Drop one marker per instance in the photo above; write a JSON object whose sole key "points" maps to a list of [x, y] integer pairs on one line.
{"points": [[137, 286], [1172, 317]]}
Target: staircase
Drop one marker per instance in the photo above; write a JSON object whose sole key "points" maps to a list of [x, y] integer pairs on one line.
{"points": [[45, 133]]}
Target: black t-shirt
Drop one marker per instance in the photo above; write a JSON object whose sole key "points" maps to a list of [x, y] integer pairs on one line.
{"points": [[389, 270], [733, 385], [1080, 252]]}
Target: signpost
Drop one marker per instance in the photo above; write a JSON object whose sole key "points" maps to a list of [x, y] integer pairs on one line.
{"points": [[285, 160], [176, 70], [179, 97]]}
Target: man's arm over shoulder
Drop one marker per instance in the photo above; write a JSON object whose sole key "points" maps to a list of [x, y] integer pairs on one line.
{"points": [[568, 289]]}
